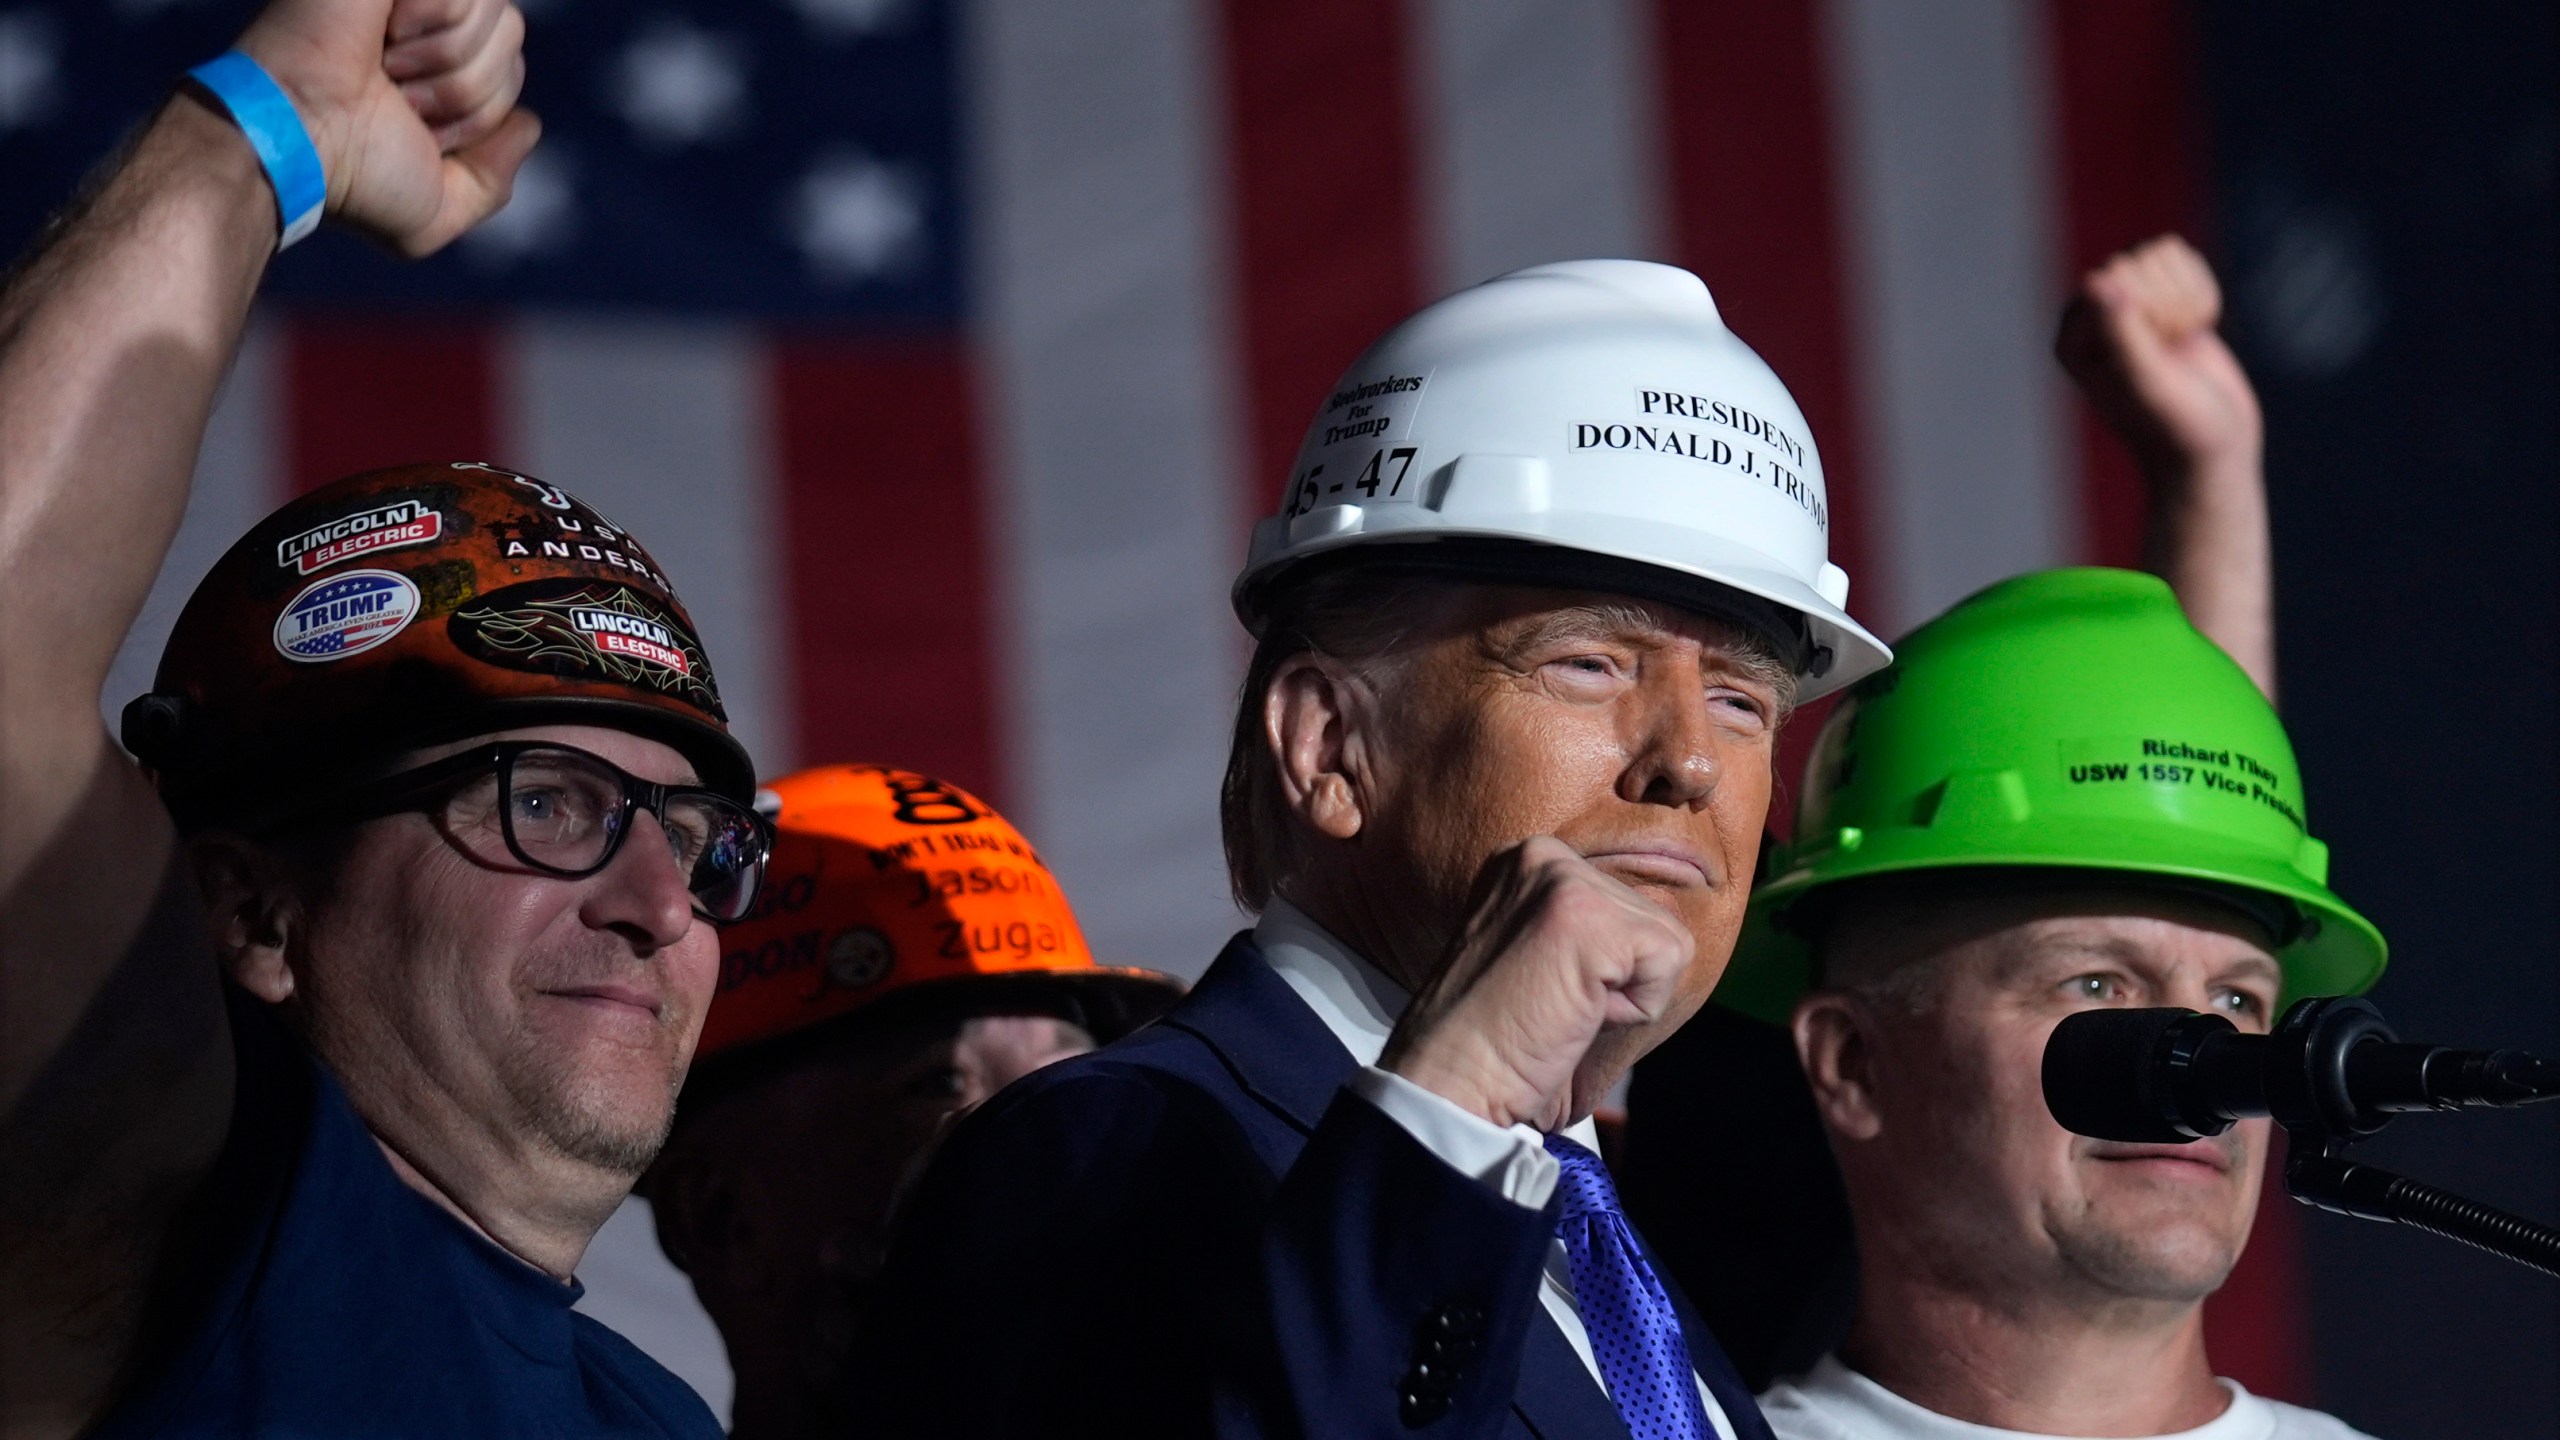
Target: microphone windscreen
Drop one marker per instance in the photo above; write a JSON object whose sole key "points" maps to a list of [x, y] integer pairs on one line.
{"points": [[2104, 1076]]}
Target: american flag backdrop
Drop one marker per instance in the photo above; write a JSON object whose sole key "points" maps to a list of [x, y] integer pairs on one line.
{"points": [[944, 354]]}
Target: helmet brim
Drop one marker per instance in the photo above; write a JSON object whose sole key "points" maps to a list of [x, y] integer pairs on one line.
{"points": [[2335, 952], [1709, 577]]}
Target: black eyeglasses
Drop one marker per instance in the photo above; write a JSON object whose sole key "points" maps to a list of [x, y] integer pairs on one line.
{"points": [[565, 812]]}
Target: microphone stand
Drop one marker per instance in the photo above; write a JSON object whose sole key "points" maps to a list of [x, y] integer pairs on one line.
{"points": [[2317, 1177], [2319, 1117]]}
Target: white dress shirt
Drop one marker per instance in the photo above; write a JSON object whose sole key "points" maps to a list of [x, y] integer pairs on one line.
{"points": [[1360, 1005]]}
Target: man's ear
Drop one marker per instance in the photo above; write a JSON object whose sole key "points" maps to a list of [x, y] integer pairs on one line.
{"points": [[250, 911], [1835, 1044], [1315, 721]]}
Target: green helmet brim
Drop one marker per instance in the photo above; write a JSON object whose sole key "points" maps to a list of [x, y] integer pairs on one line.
{"points": [[2335, 951]]}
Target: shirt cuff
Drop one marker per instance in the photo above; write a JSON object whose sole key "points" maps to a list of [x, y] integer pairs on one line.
{"points": [[1513, 1160]]}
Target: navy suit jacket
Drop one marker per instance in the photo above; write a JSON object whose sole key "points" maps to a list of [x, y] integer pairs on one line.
{"points": [[1194, 1232]]}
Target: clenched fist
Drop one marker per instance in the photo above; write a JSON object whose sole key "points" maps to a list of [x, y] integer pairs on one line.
{"points": [[1554, 955], [2139, 341], [412, 106]]}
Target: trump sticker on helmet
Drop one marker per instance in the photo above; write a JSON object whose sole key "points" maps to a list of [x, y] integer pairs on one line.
{"points": [[588, 630], [345, 615]]}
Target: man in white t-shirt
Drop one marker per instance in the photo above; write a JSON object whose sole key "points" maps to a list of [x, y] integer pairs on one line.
{"points": [[1837, 1403], [2061, 797], [1964, 876]]}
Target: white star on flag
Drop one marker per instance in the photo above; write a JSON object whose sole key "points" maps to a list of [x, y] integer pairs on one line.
{"points": [[856, 218], [29, 62], [680, 86], [540, 216], [849, 19]]}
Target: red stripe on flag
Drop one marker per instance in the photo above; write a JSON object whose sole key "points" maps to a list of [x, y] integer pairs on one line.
{"points": [[2255, 1329], [2130, 135], [887, 586], [386, 390], [1320, 153], [1745, 115]]}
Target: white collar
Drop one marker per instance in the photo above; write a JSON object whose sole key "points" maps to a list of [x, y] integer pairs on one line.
{"points": [[1354, 999]]}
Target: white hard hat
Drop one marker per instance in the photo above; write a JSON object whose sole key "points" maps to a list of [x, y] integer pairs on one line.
{"points": [[1589, 424]]}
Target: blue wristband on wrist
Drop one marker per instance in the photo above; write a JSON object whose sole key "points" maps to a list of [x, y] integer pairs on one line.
{"points": [[259, 106]]}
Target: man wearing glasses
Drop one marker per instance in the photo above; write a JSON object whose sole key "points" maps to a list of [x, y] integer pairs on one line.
{"points": [[324, 1061]]}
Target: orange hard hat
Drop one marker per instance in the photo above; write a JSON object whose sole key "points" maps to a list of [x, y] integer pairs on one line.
{"points": [[884, 881], [408, 607]]}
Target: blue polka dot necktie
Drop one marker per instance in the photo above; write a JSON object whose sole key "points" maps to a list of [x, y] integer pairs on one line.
{"points": [[1635, 1334]]}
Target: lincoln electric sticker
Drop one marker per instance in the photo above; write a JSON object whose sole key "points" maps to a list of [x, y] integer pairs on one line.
{"points": [[587, 630], [618, 632], [383, 527], [345, 615]]}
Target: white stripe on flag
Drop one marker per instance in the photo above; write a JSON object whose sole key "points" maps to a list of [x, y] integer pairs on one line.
{"points": [[662, 427], [1538, 134], [1949, 203], [238, 479], [1112, 439]]}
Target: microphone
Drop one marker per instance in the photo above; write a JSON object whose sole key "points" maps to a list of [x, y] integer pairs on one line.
{"points": [[2168, 1076]]}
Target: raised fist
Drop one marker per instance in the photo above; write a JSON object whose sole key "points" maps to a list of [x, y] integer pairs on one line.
{"points": [[2139, 341], [1554, 955], [412, 106]]}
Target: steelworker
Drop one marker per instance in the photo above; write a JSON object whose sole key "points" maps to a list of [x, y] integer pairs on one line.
{"points": [[330, 1050]]}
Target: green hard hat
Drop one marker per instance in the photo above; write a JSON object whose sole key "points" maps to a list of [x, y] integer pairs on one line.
{"points": [[2064, 719]]}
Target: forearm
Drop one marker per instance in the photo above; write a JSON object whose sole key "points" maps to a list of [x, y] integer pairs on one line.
{"points": [[2209, 538], [114, 1065], [113, 340]]}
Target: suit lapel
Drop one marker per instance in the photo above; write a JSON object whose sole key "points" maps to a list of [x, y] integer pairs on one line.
{"points": [[1277, 1048], [1557, 1397], [1559, 1400]]}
